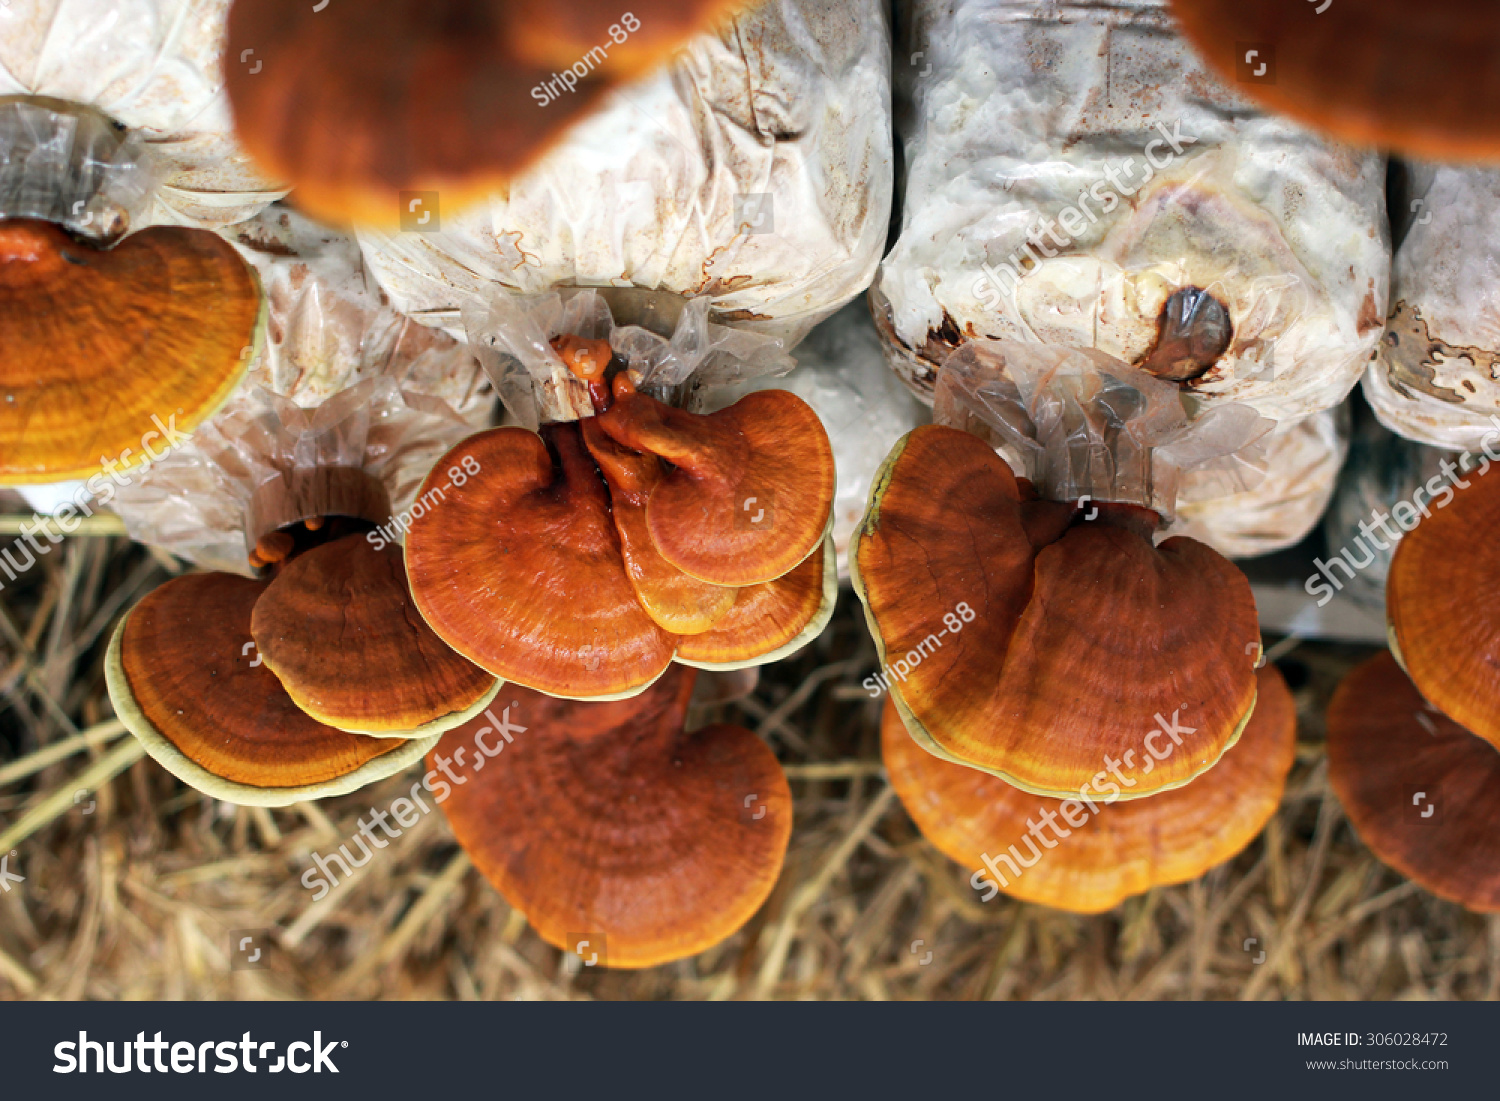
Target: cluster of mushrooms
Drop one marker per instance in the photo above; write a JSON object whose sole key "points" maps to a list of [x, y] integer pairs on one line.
{"points": [[396, 574]]}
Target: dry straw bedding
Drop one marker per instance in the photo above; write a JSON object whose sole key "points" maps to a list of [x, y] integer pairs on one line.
{"points": [[132, 889]]}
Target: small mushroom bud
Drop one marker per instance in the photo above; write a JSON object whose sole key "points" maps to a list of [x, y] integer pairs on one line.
{"points": [[273, 547]]}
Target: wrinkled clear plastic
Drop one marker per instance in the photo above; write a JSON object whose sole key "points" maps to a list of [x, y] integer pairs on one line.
{"points": [[1077, 177], [68, 164], [156, 68], [330, 326], [755, 171], [670, 348], [1076, 423], [1303, 459], [195, 501]]}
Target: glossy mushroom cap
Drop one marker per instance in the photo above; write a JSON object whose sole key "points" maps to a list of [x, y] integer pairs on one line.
{"points": [[1418, 79], [1089, 859], [356, 104], [184, 676], [338, 628], [556, 35], [562, 564], [100, 351], [1442, 596], [674, 600], [748, 491], [1419, 788], [1038, 645], [519, 569], [608, 822], [770, 620]]}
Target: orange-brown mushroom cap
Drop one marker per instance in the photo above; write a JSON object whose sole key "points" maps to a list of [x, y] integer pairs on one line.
{"points": [[1416, 78], [1090, 859], [1443, 605], [608, 820], [749, 489], [1419, 789], [557, 34], [102, 349], [675, 601], [768, 618], [338, 628], [184, 677], [519, 569], [1040, 647], [353, 104]]}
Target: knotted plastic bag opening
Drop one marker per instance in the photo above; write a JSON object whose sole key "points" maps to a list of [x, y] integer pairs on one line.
{"points": [[1078, 423], [668, 345], [264, 462], [74, 166]]}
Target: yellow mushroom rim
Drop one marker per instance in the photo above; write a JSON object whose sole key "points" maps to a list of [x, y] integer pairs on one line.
{"points": [[163, 751]]}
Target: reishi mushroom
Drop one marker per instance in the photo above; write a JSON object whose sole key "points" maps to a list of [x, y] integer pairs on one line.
{"points": [[338, 629], [1075, 639], [718, 547], [310, 681], [1374, 73], [107, 352], [744, 493], [183, 678], [1418, 787], [1105, 851], [429, 97], [351, 684], [1440, 603], [609, 822]]}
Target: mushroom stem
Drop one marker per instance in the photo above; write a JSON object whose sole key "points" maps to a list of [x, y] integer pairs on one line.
{"points": [[710, 452], [1137, 519], [589, 360]]}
